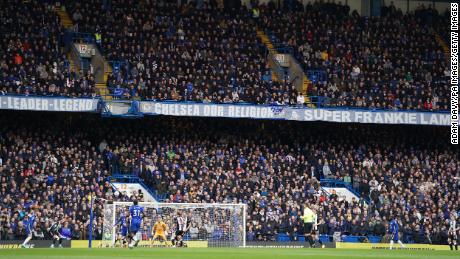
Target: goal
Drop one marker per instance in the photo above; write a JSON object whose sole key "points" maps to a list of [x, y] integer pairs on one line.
{"points": [[211, 224]]}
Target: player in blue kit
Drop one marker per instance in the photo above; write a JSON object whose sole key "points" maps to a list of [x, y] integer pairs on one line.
{"points": [[29, 225], [394, 233], [137, 213], [122, 224]]}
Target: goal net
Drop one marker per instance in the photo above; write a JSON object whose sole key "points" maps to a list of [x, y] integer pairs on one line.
{"points": [[210, 225]]}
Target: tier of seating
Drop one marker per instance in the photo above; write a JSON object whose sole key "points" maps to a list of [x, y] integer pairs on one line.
{"points": [[163, 50], [33, 59], [388, 62], [274, 167]]}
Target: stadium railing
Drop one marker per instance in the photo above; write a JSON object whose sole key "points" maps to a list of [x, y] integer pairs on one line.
{"points": [[83, 37], [319, 101]]}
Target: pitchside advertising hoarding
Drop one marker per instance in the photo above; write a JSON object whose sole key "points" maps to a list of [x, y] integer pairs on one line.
{"points": [[380, 246], [143, 243], [15, 244]]}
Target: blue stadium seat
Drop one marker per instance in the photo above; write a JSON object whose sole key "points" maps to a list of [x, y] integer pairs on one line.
{"points": [[324, 238], [283, 238], [374, 239], [351, 239]]}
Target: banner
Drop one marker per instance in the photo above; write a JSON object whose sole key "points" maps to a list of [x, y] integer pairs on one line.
{"points": [[48, 104], [294, 113], [214, 110], [274, 112], [366, 116], [13, 244]]}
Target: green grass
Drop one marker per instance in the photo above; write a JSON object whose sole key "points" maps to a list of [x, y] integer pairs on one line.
{"points": [[221, 253]]}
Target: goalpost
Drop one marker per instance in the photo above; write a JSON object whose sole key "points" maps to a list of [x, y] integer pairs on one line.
{"points": [[211, 224]]}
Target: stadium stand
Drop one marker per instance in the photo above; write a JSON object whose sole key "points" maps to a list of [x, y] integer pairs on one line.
{"points": [[275, 167], [388, 62], [32, 56], [163, 50]]}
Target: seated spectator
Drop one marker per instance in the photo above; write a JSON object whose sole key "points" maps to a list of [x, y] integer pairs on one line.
{"points": [[191, 160], [31, 61], [166, 51], [407, 70]]}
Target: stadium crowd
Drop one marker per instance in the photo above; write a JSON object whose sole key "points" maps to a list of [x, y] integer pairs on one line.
{"points": [[165, 51], [274, 167], [53, 173], [391, 62], [32, 56], [200, 51]]}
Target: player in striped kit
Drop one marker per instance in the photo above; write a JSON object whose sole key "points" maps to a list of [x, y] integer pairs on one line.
{"points": [[54, 231], [182, 226], [452, 233]]}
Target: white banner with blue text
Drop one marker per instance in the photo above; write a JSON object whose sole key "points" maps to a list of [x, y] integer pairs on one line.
{"points": [[294, 113], [48, 104]]}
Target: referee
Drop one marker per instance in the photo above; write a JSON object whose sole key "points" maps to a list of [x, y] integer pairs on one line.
{"points": [[309, 220]]}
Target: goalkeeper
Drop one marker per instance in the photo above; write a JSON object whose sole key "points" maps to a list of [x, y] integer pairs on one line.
{"points": [[159, 230]]}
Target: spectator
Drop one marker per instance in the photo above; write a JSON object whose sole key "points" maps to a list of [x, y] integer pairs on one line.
{"points": [[62, 166], [31, 61], [359, 69], [194, 231]]}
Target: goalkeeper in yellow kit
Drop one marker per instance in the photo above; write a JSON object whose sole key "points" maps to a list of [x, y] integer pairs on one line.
{"points": [[159, 230]]}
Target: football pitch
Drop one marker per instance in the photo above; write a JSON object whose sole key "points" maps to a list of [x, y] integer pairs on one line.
{"points": [[221, 253]]}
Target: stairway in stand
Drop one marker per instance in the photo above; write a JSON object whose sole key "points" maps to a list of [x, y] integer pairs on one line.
{"points": [[306, 82], [305, 85], [266, 41], [67, 23], [102, 87], [444, 46], [63, 17]]}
